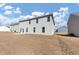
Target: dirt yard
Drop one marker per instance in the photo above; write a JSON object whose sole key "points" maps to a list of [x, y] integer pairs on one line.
{"points": [[59, 44]]}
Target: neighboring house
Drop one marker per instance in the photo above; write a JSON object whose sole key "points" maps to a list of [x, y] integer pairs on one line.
{"points": [[39, 25], [14, 27], [4, 29], [73, 24], [62, 29]]}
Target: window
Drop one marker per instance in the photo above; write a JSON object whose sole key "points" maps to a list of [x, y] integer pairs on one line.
{"points": [[14, 30], [27, 29], [37, 20], [34, 29], [29, 21], [43, 29], [48, 19], [57, 30], [23, 30]]}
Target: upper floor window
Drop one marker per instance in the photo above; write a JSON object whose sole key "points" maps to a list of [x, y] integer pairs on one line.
{"points": [[29, 21], [37, 20], [48, 19]]}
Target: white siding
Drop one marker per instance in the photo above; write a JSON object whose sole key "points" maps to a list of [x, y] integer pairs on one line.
{"points": [[24, 25], [14, 28], [17, 28], [42, 22]]}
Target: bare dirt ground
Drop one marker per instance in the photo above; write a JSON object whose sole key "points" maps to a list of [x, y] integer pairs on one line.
{"points": [[58, 44]]}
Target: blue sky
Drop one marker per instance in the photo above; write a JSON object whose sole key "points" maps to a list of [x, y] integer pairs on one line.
{"points": [[15, 10], [28, 8]]}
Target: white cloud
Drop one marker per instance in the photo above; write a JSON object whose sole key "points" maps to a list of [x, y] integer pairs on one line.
{"points": [[7, 21], [2, 4], [18, 10], [28, 17], [64, 9], [14, 20], [59, 17], [56, 14], [47, 13], [8, 7], [3, 17], [35, 14], [8, 12], [21, 17]]}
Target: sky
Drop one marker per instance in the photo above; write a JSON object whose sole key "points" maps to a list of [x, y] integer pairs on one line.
{"points": [[13, 12]]}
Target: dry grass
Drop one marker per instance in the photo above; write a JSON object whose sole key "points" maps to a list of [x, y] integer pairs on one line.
{"points": [[12, 44]]}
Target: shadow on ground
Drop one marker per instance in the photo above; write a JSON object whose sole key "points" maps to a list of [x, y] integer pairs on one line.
{"points": [[67, 35]]}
